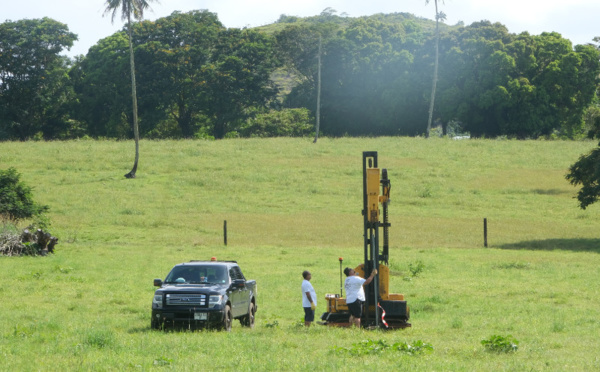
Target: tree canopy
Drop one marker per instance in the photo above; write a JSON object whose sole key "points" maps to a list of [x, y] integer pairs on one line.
{"points": [[585, 172], [200, 79], [196, 75], [34, 86]]}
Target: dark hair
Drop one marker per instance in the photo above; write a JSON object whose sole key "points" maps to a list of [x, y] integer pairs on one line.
{"points": [[347, 271], [305, 273]]}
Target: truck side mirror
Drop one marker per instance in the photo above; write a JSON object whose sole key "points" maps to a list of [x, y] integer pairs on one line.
{"points": [[158, 282], [239, 283]]}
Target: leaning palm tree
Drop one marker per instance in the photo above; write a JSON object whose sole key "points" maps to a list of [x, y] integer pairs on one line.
{"points": [[438, 16], [129, 9]]}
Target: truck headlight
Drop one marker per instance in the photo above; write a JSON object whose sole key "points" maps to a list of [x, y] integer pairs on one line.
{"points": [[214, 300], [157, 302]]}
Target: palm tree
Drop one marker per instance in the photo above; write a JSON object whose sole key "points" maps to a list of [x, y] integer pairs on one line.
{"points": [[438, 16], [129, 9], [318, 94]]}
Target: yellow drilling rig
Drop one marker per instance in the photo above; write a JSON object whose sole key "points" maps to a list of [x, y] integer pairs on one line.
{"points": [[382, 309]]}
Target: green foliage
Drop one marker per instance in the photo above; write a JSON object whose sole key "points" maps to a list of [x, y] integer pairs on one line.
{"points": [[174, 59], [272, 324], [501, 344], [517, 85], [127, 9], [279, 123], [238, 78], [417, 347], [196, 75], [298, 324], [232, 134], [586, 172], [16, 198], [368, 347], [8, 227], [102, 82], [35, 91], [99, 338], [203, 135], [491, 82], [416, 268]]}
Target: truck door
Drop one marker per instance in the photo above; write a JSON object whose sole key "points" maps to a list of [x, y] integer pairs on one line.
{"points": [[237, 294], [244, 295]]}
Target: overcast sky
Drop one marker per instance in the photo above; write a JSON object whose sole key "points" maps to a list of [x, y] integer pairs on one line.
{"points": [[576, 20]]}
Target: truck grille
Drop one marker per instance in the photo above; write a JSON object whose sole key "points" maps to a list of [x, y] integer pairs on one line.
{"points": [[186, 299]]}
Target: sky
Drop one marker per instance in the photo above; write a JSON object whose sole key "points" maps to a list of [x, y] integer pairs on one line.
{"points": [[574, 19]]}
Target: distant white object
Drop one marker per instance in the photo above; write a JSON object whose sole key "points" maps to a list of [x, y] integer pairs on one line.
{"points": [[460, 137]]}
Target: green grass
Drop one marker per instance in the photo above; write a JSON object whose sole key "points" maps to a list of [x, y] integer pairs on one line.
{"points": [[291, 205]]}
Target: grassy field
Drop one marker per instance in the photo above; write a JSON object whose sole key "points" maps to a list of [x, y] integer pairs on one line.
{"points": [[292, 205]]}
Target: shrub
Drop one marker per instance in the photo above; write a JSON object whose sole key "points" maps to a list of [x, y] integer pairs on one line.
{"points": [[273, 324], [279, 123], [501, 344], [99, 338], [416, 268], [16, 200], [366, 347]]}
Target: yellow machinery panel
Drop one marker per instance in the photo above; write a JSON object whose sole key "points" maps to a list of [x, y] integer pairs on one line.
{"points": [[335, 303], [373, 195], [384, 282]]}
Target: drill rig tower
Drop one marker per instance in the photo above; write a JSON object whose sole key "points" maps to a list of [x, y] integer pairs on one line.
{"points": [[381, 308]]}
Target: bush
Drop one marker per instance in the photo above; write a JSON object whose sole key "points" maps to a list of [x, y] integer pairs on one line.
{"points": [[16, 201], [501, 344], [367, 347], [416, 268], [283, 123]]}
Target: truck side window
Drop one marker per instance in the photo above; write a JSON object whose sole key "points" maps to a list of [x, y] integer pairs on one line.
{"points": [[233, 274], [239, 273]]}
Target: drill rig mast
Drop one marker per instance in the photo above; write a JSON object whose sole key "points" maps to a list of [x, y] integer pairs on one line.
{"points": [[376, 192]]}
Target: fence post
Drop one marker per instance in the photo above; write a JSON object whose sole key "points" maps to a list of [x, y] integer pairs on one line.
{"points": [[225, 232], [485, 232]]}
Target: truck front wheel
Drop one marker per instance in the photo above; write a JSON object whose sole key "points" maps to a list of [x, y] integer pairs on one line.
{"points": [[155, 324], [227, 319]]}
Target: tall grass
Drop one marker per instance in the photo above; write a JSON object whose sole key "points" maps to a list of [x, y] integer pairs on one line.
{"points": [[291, 205]]}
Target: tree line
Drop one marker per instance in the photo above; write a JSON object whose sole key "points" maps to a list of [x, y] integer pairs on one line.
{"points": [[196, 78]]}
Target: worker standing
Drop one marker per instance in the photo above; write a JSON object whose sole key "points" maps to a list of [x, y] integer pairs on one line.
{"points": [[355, 294], [309, 298]]}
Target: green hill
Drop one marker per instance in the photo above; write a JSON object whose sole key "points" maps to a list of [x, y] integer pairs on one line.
{"points": [[341, 21]]}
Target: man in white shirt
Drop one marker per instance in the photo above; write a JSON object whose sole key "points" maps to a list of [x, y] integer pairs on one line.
{"points": [[309, 299], [355, 294]]}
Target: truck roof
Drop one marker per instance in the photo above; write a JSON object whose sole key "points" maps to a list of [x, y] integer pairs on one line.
{"points": [[207, 262]]}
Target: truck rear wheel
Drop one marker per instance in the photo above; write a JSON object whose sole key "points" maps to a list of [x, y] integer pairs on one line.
{"points": [[248, 320]]}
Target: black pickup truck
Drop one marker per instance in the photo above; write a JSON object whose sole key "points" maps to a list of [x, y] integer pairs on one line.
{"points": [[204, 294]]}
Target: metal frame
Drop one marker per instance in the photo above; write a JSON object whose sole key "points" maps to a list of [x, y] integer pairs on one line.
{"points": [[371, 245]]}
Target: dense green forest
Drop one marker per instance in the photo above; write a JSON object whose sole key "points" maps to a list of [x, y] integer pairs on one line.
{"points": [[199, 79]]}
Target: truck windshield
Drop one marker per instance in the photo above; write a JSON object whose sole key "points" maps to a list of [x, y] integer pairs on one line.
{"points": [[197, 274]]}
